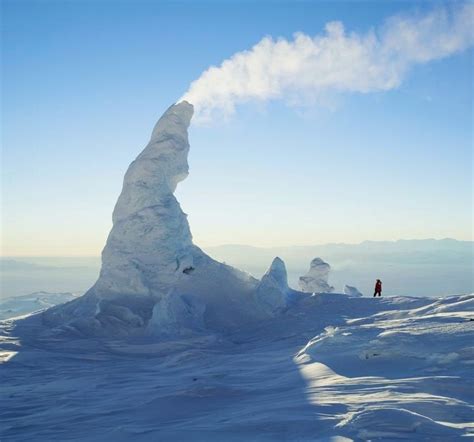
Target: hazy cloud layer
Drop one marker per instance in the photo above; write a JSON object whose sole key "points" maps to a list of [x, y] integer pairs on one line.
{"points": [[303, 69]]}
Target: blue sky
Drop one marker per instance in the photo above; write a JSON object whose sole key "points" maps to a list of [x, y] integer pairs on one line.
{"points": [[85, 81]]}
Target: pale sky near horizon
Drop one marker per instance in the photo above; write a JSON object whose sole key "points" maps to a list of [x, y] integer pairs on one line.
{"points": [[84, 82]]}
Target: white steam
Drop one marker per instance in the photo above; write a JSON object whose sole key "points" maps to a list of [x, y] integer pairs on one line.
{"points": [[305, 68]]}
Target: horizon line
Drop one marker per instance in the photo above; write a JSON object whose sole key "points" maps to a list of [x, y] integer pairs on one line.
{"points": [[261, 247]]}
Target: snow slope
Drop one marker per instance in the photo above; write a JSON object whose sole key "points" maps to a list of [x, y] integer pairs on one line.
{"points": [[332, 365]]}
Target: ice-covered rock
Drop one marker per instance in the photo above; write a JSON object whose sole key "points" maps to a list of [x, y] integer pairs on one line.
{"points": [[316, 280], [352, 291], [153, 278], [273, 293]]}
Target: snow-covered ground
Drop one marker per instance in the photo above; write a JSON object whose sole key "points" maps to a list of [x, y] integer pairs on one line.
{"points": [[330, 366], [21, 305]]}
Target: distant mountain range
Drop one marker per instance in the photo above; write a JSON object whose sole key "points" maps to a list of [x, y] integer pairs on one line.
{"points": [[417, 267], [425, 267], [11, 265], [410, 251]]}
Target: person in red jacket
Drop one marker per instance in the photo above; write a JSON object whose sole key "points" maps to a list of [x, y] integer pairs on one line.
{"points": [[378, 288]]}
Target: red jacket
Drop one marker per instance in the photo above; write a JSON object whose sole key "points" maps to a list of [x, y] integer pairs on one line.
{"points": [[378, 286]]}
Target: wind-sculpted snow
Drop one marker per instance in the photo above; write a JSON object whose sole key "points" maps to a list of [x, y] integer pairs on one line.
{"points": [[333, 367], [414, 367]]}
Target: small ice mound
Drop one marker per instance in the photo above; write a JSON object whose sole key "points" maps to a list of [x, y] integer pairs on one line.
{"points": [[316, 280], [352, 291], [88, 316], [385, 423], [179, 314], [273, 293]]}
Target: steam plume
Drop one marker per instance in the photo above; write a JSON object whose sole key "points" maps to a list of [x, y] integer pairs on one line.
{"points": [[304, 68]]}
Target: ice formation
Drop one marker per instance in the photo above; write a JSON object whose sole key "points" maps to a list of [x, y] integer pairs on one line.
{"points": [[273, 293], [153, 278], [316, 280], [352, 291]]}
